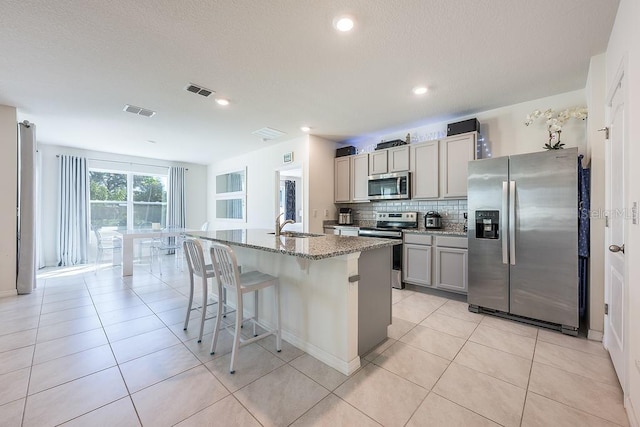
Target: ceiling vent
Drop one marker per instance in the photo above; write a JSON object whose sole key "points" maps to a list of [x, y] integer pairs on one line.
{"points": [[139, 111], [198, 90], [268, 134]]}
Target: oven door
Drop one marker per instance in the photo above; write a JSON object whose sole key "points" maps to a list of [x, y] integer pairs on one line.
{"points": [[388, 186]]}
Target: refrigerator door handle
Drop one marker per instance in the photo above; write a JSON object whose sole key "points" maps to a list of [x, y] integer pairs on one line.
{"points": [[512, 222], [503, 220]]}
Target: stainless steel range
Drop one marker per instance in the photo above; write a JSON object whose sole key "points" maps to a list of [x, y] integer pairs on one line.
{"points": [[389, 225]]}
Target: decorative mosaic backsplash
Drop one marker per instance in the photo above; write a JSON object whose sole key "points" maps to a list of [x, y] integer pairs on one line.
{"points": [[452, 211]]}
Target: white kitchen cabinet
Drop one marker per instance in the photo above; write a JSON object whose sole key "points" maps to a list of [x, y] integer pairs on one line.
{"points": [[394, 159], [416, 259], [398, 159], [451, 264], [342, 179], [350, 178], [378, 162], [424, 170], [343, 230], [359, 177], [331, 230], [455, 154]]}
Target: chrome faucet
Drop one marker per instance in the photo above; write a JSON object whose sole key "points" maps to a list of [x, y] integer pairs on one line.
{"points": [[280, 226]]}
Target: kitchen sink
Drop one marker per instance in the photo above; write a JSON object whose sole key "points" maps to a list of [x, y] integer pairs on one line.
{"points": [[297, 234]]}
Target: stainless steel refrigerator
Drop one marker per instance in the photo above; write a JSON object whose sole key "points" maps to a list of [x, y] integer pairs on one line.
{"points": [[523, 236]]}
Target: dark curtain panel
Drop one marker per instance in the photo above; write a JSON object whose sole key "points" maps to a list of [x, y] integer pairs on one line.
{"points": [[584, 206], [290, 200]]}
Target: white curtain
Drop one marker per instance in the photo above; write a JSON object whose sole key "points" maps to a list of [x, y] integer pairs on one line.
{"points": [[176, 210], [73, 221], [26, 278]]}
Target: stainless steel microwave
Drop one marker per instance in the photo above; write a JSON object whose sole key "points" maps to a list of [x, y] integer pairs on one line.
{"points": [[389, 186]]}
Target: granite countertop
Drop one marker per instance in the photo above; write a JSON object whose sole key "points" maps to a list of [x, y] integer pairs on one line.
{"points": [[438, 232], [318, 246]]}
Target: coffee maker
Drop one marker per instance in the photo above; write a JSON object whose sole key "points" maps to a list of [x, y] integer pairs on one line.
{"points": [[345, 216]]}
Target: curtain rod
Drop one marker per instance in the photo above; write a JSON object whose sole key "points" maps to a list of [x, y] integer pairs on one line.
{"points": [[127, 163]]}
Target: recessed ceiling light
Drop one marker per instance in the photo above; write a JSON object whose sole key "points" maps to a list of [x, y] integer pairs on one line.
{"points": [[343, 23], [419, 90], [305, 128], [222, 101]]}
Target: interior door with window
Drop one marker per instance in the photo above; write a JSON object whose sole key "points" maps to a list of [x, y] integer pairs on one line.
{"points": [[615, 332]]}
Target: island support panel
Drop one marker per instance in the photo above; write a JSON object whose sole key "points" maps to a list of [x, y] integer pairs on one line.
{"points": [[319, 305], [374, 298]]}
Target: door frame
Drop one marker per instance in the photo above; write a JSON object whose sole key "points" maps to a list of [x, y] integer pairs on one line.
{"points": [[284, 168], [617, 81]]}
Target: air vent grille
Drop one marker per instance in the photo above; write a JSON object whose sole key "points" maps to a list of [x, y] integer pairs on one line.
{"points": [[268, 134], [138, 110], [197, 89]]}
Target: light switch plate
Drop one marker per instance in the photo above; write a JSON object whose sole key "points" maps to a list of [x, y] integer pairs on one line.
{"points": [[634, 213]]}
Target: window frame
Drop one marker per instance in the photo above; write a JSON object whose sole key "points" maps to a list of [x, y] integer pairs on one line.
{"points": [[130, 198]]}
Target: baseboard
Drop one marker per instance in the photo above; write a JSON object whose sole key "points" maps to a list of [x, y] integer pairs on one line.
{"points": [[11, 293], [631, 413], [346, 368], [595, 335]]}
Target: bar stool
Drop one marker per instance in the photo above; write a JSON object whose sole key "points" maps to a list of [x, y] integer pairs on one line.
{"points": [[228, 276], [197, 267]]}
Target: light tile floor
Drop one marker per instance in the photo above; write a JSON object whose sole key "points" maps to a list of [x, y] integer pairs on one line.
{"points": [[93, 349]]}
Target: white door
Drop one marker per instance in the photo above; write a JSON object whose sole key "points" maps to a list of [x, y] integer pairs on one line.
{"points": [[615, 288]]}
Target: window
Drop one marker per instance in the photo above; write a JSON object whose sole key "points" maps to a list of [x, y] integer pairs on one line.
{"points": [[127, 200], [231, 195]]}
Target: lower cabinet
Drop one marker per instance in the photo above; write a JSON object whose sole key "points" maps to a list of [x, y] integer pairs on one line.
{"points": [[416, 259], [417, 264], [451, 269], [341, 230], [446, 269]]}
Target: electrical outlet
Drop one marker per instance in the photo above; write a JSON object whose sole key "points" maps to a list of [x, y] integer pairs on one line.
{"points": [[315, 213], [326, 213]]}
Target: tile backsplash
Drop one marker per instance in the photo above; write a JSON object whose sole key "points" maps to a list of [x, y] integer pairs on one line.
{"points": [[452, 211]]}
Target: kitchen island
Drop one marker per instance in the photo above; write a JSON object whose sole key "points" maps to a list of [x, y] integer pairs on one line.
{"points": [[335, 292]]}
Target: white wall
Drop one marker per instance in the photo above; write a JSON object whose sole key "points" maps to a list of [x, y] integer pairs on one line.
{"points": [[313, 154], [261, 182], [596, 99], [196, 187], [321, 160], [624, 48], [9, 178], [503, 128]]}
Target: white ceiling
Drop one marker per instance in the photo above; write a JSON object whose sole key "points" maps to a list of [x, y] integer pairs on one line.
{"points": [[71, 65]]}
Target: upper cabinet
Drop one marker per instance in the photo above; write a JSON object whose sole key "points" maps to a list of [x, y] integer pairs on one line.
{"points": [[378, 162], [394, 159], [351, 178], [360, 178], [425, 171], [342, 181], [438, 168], [455, 154]]}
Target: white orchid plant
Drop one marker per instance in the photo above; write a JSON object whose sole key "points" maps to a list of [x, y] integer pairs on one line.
{"points": [[554, 121]]}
